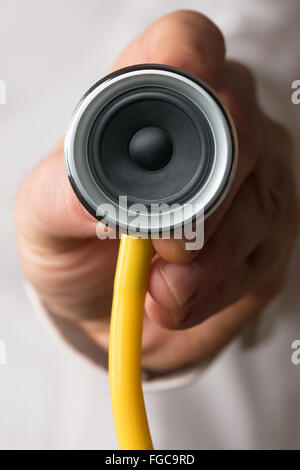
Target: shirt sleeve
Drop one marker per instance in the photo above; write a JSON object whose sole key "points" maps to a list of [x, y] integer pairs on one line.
{"points": [[71, 334]]}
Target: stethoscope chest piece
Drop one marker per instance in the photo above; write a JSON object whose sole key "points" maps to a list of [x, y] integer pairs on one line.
{"points": [[157, 136]]}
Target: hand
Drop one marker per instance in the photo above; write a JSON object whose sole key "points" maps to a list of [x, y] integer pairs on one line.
{"points": [[197, 301]]}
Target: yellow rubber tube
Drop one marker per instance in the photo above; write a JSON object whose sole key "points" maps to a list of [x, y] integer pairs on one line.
{"points": [[130, 287]]}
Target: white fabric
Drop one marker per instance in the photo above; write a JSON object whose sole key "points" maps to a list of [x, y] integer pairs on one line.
{"points": [[51, 52]]}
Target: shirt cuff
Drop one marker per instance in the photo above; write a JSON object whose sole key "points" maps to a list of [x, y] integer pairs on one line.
{"points": [[72, 334]]}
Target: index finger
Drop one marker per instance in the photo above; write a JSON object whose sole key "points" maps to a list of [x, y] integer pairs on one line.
{"points": [[185, 39]]}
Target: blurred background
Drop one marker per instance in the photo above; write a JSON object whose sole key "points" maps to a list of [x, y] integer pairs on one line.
{"points": [[50, 397]]}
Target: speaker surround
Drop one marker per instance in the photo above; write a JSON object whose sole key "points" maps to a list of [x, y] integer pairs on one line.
{"points": [[157, 135]]}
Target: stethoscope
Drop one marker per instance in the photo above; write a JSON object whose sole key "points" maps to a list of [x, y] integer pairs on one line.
{"points": [[162, 140]]}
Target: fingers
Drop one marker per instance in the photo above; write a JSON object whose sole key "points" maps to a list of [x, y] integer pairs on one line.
{"points": [[230, 265], [263, 272], [184, 39], [47, 209], [59, 252], [201, 343], [174, 286], [258, 269], [237, 89]]}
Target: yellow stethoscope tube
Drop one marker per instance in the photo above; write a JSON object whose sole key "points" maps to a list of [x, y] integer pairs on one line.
{"points": [[130, 287]]}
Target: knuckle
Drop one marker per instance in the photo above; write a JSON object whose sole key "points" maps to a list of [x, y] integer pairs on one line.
{"points": [[275, 202], [248, 131], [272, 180], [194, 26], [243, 74], [227, 244], [247, 124], [271, 192], [258, 188], [280, 188], [195, 19], [283, 137], [275, 286]]}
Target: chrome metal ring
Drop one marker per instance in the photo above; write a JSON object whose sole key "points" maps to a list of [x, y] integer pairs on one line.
{"points": [[207, 198]]}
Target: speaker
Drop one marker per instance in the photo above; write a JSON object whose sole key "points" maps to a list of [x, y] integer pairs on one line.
{"points": [[157, 136]]}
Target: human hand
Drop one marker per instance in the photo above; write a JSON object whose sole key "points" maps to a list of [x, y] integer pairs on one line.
{"points": [[197, 301]]}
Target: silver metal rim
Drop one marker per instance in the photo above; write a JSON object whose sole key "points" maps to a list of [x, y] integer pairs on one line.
{"points": [[208, 197]]}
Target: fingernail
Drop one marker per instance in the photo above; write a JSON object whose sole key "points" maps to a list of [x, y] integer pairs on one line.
{"points": [[183, 282]]}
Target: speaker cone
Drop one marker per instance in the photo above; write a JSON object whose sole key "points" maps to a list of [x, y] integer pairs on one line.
{"points": [[156, 135]]}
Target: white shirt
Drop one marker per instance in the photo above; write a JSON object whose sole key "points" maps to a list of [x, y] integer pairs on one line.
{"points": [[54, 398]]}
